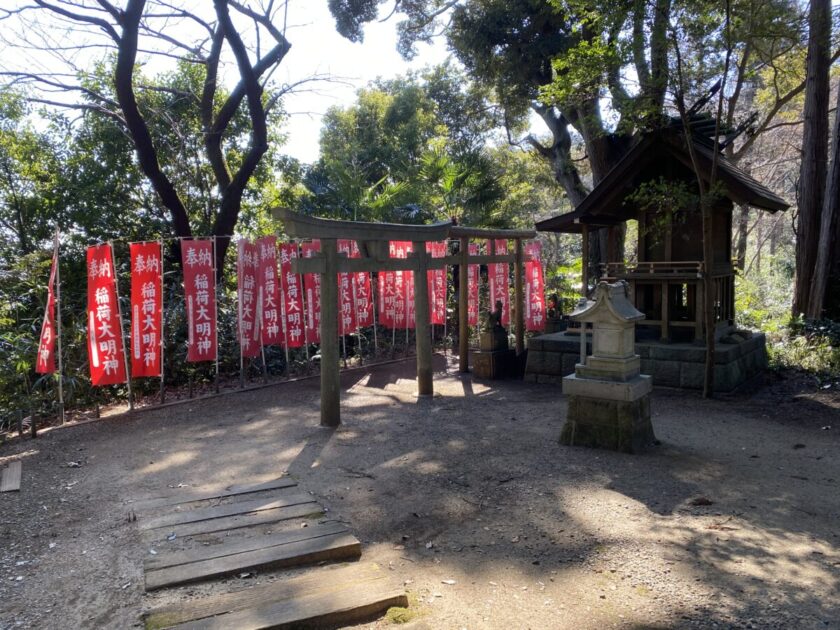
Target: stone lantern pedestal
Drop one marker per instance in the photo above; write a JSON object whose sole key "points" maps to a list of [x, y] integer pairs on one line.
{"points": [[609, 400]]}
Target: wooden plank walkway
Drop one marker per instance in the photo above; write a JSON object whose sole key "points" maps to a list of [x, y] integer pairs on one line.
{"points": [[208, 495], [346, 594], [11, 477], [231, 509], [238, 543], [237, 521]]}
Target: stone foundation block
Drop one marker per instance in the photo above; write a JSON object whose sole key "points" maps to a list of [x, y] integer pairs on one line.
{"points": [[616, 425]]}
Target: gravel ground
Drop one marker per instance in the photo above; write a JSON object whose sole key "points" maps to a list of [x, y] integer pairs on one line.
{"points": [[733, 521]]}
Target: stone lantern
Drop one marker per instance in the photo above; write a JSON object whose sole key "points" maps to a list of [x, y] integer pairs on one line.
{"points": [[609, 400]]}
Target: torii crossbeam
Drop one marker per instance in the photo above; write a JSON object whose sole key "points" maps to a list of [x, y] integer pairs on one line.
{"points": [[373, 239]]}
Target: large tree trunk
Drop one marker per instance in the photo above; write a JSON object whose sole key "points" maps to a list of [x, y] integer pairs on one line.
{"points": [[827, 243], [812, 172]]}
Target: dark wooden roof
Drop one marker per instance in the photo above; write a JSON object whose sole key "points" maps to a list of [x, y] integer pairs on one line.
{"points": [[605, 204]]}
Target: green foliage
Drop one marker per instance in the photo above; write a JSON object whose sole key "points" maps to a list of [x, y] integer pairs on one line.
{"points": [[666, 201], [564, 281], [812, 347]]}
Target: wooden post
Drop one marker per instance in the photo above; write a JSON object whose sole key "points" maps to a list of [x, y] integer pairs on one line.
{"points": [[698, 309], [519, 296], [422, 337], [664, 311], [330, 376], [584, 261], [463, 305]]}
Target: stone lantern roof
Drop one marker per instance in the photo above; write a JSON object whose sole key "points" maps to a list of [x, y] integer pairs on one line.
{"points": [[611, 304]]}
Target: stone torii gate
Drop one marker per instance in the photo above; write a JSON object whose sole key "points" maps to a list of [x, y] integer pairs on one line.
{"points": [[373, 240]]}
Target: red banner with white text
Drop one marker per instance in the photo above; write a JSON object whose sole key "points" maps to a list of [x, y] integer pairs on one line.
{"points": [[347, 323], [312, 287], [437, 284], [105, 343], [200, 299], [534, 288], [247, 270], [363, 297], [293, 324], [269, 292], [45, 363], [499, 275], [472, 288], [146, 309]]}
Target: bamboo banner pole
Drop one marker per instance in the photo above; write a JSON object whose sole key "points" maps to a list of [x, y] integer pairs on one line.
{"points": [[58, 328], [373, 289], [519, 297], [216, 312], [162, 328], [122, 330], [261, 322], [239, 316], [463, 306]]}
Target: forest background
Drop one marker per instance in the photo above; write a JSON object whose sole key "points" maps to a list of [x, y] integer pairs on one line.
{"points": [[106, 147]]}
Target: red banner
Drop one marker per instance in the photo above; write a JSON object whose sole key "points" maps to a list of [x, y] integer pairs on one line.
{"points": [[247, 270], [312, 287], [45, 363], [499, 275], [105, 343], [146, 309], [269, 292], [472, 288], [361, 283], [534, 288], [403, 287], [437, 285], [347, 319], [200, 300], [293, 330], [387, 298]]}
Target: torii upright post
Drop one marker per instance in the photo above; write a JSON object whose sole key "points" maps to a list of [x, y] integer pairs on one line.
{"points": [[330, 377], [421, 319]]}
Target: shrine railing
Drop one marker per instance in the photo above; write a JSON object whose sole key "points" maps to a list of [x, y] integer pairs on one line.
{"points": [[689, 269]]}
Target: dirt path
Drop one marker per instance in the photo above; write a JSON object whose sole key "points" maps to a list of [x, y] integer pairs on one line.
{"points": [[468, 498]]}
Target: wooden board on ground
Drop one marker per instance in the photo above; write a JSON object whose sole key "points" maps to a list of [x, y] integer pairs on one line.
{"points": [[237, 521], [230, 548], [343, 594], [220, 511], [11, 477], [206, 495], [338, 546]]}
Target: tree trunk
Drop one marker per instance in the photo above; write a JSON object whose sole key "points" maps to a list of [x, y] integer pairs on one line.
{"points": [[831, 200], [812, 173], [741, 243]]}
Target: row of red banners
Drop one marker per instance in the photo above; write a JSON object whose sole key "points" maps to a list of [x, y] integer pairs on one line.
{"points": [[275, 305]]}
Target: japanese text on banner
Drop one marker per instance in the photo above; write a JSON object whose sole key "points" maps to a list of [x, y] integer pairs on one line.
{"points": [[363, 297], [534, 288], [347, 314], [248, 266], [293, 330], [312, 287], [499, 274], [472, 288], [105, 343], [437, 284], [146, 309], [269, 296], [200, 299]]}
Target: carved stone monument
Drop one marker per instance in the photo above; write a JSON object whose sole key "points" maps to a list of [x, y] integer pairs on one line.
{"points": [[494, 358], [609, 400]]}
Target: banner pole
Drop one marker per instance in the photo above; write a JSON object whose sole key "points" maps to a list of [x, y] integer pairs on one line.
{"points": [[373, 290], [122, 329], [239, 312], [216, 313], [162, 327], [58, 328], [305, 314], [260, 306]]}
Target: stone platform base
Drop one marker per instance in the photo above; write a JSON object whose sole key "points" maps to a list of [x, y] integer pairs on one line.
{"points": [[494, 364], [553, 356], [617, 425]]}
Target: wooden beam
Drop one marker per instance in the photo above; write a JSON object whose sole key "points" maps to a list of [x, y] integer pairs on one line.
{"points": [[302, 226], [462, 231], [197, 494], [315, 264], [519, 296], [330, 376], [425, 386], [463, 298]]}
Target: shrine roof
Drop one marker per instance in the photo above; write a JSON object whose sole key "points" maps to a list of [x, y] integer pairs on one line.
{"points": [[605, 204]]}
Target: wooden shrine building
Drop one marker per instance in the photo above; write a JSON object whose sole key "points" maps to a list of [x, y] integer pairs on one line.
{"points": [[667, 280], [655, 184]]}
